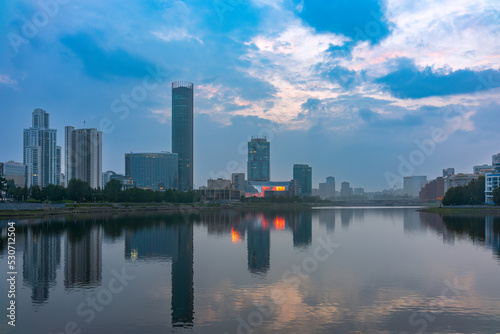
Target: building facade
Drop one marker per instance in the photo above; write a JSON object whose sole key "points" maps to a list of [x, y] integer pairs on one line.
{"points": [[84, 156], [182, 131], [413, 184], [458, 180], [492, 181], [259, 159], [327, 189], [433, 191], [303, 174], [448, 172], [495, 161], [155, 171], [14, 171], [40, 152], [346, 190]]}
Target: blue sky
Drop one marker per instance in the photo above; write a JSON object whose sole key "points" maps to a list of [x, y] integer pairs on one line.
{"points": [[352, 88]]}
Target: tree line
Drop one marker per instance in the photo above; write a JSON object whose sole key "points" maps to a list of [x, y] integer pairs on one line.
{"points": [[80, 191], [471, 194]]}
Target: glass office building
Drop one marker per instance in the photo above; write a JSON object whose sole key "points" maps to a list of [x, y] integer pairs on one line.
{"points": [[155, 171], [259, 163], [303, 174], [182, 131]]}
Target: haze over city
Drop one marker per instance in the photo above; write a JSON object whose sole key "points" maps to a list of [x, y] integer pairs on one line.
{"points": [[347, 89]]}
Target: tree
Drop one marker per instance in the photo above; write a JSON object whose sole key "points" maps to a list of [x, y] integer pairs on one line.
{"points": [[54, 193], [79, 190], [112, 190], [496, 196], [36, 193], [3, 184], [471, 194]]}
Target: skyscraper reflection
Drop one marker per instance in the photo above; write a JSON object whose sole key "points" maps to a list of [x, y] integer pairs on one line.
{"points": [[83, 260], [41, 258], [302, 229], [259, 248], [169, 241]]}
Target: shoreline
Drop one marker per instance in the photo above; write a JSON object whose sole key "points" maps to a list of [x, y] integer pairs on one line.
{"points": [[108, 208], [465, 210]]}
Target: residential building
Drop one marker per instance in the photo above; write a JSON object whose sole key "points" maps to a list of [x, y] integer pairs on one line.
{"points": [[346, 190], [359, 192], [495, 161], [238, 182], [294, 188], [14, 171], [303, 174], [84, 155], [492, 181], [448, 172], [458, 180], [182, 131], [327, 190], [106, 177], [482, 169], [127, 182], [259, 163], [413, 184], [433, 191], [155, 171], [40, 152]]}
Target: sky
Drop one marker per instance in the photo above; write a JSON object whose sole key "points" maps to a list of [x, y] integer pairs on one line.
{"points": [[365, 91]]}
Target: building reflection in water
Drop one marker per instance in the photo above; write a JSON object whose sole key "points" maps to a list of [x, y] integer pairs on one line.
{"points": [[259, 245], [327, 218], [83, 255], [163, 242], [41, 258], [301, 224], [346, 216], [484, 231]]}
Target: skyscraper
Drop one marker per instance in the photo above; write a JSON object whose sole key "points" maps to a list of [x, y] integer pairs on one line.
{"points": [[303, 174], [84, 155], [40, 152], [182, 131], [327, 190], [259, 155]]}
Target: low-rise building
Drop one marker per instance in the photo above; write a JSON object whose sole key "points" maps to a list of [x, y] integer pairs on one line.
{"points": [[433, 191], [492, 181], [14, 171], [458, 180]]}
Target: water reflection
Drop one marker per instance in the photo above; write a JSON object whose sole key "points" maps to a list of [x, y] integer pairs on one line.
{"points": [[336, 296], [41, 258], [164, 241], [83, 257]]}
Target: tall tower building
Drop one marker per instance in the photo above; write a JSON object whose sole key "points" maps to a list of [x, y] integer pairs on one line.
{"points": [[84, 155], [40, 152], [259, 155], [303, 174], [182, 131]]}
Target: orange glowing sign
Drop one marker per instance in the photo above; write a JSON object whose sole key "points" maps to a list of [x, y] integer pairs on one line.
{"points": [[279, 188], [279, 223], [235, 236]]}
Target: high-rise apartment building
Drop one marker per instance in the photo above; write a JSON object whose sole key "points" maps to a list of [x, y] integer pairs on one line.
{"points": [[259, 155], [14, 171], [182, 131], [84, 156], [303, 174], [155, 171], [40, 152]]}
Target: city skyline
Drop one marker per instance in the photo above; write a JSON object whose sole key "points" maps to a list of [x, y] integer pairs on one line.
{"points": [[330, 90]]}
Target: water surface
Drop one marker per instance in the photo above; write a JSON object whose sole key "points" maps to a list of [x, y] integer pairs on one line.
{"points": [[366, 270]]}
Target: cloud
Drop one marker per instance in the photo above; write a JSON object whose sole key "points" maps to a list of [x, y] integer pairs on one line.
{"points": [[5, 79], [344, 77], [360, 20], [102, 63], [374, 119], [409, 82]]}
